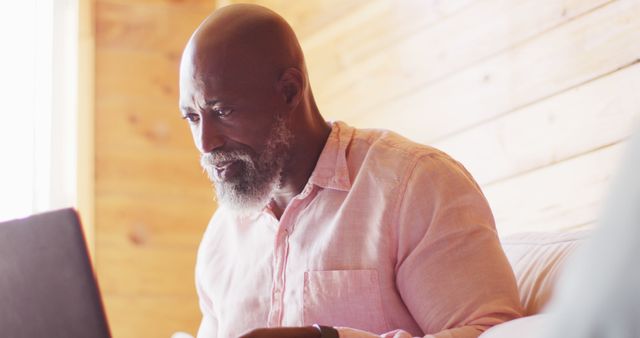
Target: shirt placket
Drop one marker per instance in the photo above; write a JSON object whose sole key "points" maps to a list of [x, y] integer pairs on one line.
{"points": [[279, 278], [280, 258]]}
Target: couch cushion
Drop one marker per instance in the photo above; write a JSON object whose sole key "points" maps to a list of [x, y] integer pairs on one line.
{"points": [[536, 259], [525, 327]]}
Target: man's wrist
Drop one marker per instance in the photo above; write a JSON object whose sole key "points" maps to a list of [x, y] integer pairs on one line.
{"points": [[326, 331]]}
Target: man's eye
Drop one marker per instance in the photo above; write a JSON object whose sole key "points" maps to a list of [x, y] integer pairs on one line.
{"points": [[222, 112], [192, 118]]}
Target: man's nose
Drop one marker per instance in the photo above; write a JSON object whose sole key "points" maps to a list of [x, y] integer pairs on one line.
{"points": [[210, 137]]}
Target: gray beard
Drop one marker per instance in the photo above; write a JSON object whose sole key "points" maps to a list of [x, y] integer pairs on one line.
{"points": [[258, 178]]}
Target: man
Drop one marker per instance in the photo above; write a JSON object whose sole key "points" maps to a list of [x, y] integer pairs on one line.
{"points": [[360, 231]]}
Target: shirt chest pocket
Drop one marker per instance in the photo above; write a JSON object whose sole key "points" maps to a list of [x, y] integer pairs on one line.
{"points": [[349, 298]]}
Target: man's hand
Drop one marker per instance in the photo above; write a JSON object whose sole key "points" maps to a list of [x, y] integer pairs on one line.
{"points": [[283, 332]]}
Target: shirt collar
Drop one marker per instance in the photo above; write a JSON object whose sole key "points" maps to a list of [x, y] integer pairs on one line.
{"points": [[331, 170]]}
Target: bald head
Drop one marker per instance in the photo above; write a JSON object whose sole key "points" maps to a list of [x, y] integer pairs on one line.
{"points": [[248, 43]]}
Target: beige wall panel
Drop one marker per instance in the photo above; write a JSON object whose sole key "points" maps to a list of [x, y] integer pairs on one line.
{"points": [[142, 123], [151, 75], [157, 173], [557, 197], [423, 57], [591, 116], [156, 221], [567, 56], [139, 26], [133, 271], [308, 17], [338, 54], [151, 316]]}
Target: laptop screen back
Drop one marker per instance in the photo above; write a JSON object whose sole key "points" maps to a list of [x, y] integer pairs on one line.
{"points": [[47, 285]]}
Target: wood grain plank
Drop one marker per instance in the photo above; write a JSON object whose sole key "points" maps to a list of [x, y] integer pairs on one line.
{"points": [[588, 117], [149, 74], [307, 17], [561, 196], [423, 58], [150, 221], [128, 270], [136, 317], [141, 123], [163, 27], [336, 52], [564, 58], [155, 172]]}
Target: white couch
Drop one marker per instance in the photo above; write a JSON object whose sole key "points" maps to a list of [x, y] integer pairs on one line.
{"points": [[536, 259]]}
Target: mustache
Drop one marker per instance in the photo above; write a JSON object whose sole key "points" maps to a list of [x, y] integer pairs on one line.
{"points": [[218, 157]]}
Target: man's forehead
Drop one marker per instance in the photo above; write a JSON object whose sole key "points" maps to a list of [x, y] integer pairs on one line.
{"points": [[203, 88], [199, 81], [209, 71]]}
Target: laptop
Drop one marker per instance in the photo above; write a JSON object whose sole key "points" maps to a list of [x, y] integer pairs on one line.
{"points": [[47, 284]]}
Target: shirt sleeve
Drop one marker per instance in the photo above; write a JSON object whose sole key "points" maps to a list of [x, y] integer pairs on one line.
{"points": [[451, 271]]}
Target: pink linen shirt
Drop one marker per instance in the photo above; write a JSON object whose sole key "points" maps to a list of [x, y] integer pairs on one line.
{"points": [[388, 238]]}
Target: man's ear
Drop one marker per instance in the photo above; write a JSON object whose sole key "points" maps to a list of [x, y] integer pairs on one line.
{"points": [[291, 86]]}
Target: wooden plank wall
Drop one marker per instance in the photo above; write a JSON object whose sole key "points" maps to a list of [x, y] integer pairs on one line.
{"points": [[152, 202], [534, 97]]}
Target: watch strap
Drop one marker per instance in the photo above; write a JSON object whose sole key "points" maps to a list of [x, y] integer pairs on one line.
{"points": [[326, 331]]}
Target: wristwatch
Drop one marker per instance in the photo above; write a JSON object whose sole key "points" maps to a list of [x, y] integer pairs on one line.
{"points": [[326, 331]]}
